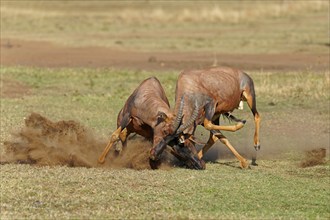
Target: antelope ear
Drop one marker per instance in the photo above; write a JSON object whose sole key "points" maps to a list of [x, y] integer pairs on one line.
{"points": [[161, 116]]}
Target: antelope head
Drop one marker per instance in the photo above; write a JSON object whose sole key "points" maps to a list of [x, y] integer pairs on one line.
{"points": [[168, 131]]}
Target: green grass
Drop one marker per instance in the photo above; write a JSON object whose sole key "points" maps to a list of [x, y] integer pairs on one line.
{"points": [[223, 27]]}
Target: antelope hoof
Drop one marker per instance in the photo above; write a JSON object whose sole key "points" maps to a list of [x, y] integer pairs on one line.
{"points": [[244, 164], [257, 147], [101, 160], [243, 121], [253, 162]]}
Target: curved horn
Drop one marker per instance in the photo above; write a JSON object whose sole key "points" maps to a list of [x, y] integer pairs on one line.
{"points": [[179, 115], [191, 120]]}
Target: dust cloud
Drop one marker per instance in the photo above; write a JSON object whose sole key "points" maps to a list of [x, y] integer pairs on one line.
{"points": [[280, 140], [42, 142], [314, 157]]}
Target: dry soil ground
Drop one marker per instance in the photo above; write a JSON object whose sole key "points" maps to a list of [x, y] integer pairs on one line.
{"points": [[44, 54]]}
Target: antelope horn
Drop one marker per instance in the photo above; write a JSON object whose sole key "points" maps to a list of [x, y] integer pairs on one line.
{"points": [[191, 120], [179, 115]]}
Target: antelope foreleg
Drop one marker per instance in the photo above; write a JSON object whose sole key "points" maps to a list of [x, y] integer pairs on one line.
{"points": [[210, 126], [219, 136], [123, 137], [242, 160], [114, 138], [208, 145]]}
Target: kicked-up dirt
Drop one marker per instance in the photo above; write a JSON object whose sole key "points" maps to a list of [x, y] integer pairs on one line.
{"points": [[314, 157], [43, 142]]}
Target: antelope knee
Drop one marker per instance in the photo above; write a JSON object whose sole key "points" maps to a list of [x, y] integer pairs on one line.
{"points": [[114, 138]]}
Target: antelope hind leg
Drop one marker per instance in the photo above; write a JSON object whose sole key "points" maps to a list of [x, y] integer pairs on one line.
{"points": [[250, 99]]}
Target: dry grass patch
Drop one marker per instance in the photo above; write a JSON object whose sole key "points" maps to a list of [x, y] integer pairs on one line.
{"points": [[150, 12], [299, 86]]}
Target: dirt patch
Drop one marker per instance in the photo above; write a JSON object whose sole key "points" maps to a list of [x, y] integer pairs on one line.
{"points": [[13, 89], [45, 143], [44, 54], [314, 157]]}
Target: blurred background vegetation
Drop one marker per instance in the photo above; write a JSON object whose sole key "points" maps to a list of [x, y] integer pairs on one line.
{"points": [[222, 26]]}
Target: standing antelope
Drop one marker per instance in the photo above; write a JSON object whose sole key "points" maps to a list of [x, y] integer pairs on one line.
{"points": [[147, 113], [215, 91]]}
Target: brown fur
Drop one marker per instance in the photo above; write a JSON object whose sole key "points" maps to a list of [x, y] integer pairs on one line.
{"points": [[223, 85]]}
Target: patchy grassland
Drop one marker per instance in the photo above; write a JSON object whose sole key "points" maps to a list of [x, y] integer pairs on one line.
{"points": [[278, 188], [257, 27], [92, 95]]}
